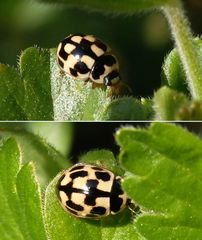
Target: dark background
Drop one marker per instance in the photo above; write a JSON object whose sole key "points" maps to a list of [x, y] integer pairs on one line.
{"points": [[89, 136], [84, 136], [140, 41]]}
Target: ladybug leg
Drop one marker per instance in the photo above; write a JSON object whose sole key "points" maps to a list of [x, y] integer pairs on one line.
{"points": [[95, 85], [86, 81]]}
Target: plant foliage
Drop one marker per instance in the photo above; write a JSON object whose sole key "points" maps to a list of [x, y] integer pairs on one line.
{"points": [[162, 169]]}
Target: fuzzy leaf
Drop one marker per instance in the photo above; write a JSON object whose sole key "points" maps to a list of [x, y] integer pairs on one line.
{"points": [[48, 160], [10, 99], [173, 73], [75, 100], [127, 108], [103, 158], [40, 91], [26, 93], [61, 224], [165, 165], [59, 135], [35, 70], [20, 202], [167, 103]]}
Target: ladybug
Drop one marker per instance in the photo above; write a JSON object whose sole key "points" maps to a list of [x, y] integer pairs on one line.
{"points": [[86, 57], [89, 191]]}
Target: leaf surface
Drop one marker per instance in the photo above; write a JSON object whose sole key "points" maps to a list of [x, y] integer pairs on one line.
{"points": [[20, 202], [164, 165], [36, 149], [26, 91]]}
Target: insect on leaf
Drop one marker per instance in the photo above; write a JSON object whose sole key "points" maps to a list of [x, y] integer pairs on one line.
{"points": [[116, 227]]}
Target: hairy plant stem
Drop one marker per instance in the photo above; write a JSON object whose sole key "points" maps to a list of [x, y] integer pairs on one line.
{"points": [[186, 47]]}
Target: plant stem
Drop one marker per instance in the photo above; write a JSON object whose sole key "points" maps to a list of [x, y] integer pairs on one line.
{"points": [[186, 47]]}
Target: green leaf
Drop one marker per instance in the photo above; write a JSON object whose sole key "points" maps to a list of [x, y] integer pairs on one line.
{"points": [[75, 100], [186, 45], [34, 148], [26, 92], [165, 165], [129, 6], [167, 103], [172, 105], [60, 224], [59, 135], [42, 92], [173, 73], [10, 99], [35, 71], [20, 202], [103, 158], [126, 108]]}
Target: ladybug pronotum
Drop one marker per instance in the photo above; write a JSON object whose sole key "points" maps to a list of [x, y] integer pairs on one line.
{"points": [[89, 191], [85, 57]]}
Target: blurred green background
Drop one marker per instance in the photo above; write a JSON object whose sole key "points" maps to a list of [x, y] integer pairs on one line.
{"points": [[140, 42], [72, 139]]}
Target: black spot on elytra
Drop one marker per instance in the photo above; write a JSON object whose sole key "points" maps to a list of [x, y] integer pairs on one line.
{"points": [[72, 211], [93, 192], [61, 178], [97, 168], [84, 48], [108, 60], [89, 201], [99, 68], [101, 45], [78, 174], [60, 63], [108, 80], [117, 205], [62, 52], [74, 205], [68, 40], [77, 168], [81, 67], [92, 183], [115, 200], [98, 210], [73, 72], [66, 189], [104, 176], [85, 44]]}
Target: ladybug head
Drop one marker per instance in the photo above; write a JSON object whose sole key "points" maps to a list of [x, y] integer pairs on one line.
{"points": [[112, 78]]}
